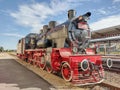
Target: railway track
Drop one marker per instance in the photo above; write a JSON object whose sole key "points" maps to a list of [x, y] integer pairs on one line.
{"points": [[105, 86]]}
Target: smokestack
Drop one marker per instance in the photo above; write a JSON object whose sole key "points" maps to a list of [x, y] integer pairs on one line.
{"points": [[71, 14], [52, 24], [45, 28]]}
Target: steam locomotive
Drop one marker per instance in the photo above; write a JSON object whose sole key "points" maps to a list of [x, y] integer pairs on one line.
{"points": [[64, 48]]}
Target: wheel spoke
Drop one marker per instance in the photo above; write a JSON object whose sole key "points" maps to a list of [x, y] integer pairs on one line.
{"points": [[66, 72]]}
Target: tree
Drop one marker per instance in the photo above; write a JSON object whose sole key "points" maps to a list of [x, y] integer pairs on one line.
{"points": [[1, 49]]}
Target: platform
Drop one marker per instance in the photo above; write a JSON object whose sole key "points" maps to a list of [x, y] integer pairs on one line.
{"points": [[14, 76]]}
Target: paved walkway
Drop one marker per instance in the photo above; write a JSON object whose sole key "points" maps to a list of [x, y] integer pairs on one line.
{"points": [[14, 76]]}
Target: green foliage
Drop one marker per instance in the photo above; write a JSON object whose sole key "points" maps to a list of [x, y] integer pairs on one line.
{"points": [[1, 49]]}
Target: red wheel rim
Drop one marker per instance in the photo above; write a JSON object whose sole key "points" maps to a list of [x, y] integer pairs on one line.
{"points": [[37, 61], [34, 62], [42, 62], [29, 60], [49, 69], [66, 72]]}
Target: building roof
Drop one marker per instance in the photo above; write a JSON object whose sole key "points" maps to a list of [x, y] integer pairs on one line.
{"points": [[106, 32]]}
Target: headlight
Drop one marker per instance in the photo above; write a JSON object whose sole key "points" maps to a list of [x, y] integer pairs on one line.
{"points": [[84, 65], [109, 62]]}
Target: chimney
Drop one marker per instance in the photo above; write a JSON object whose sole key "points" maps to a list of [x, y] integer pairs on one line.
{"points": [[52, 24], [45, 28], [71, 14]]}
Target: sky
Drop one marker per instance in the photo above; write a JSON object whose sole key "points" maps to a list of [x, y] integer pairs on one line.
{"points": [[21, 17]]}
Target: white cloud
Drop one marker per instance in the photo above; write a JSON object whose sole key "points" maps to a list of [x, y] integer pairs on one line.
{"points": [[110, 10], [116, 1], [106, 22], [34, 15], [102, 11], [12, 34]]}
